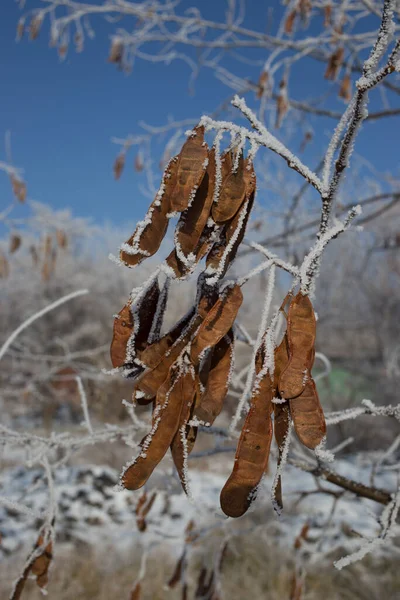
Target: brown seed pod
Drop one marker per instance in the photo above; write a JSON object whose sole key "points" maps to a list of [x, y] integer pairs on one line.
{"points": [[150, 232], [262, 84], [289, 21], [281, 429], [62, 239], [182, 269], [218, 322], [143, 507], [34, 26], [154, 353], [345, 88], [119, 165], [334, 64], [155, 445], [194, 219], [145, 313], [19, 188], [179, 449], [217, 380], [153, 378], [138, 164], [122, 331], [233, 190], [191, 167], [301, 331], [252, 453], [308, 416], [136, 592], [223, 252], [116, 52], [282, 104], [178, 571], [38, 566], [15, 243]]}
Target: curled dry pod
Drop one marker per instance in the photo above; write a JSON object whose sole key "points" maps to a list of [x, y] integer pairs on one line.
{"points": [[345, 88], [150, 232], [219, 368], [15, 242], [153, 378], [191, 167], [34, 26], [41, 564], [186, 266], [334, 64], [154, 353], [262, 84], [252, 453], [218, 321], [176, 576], [301, 330], [145, 314], [308, 416], [122, 331], [116, 51], [281, 430], [232, 192], [179, 447], [165, 423]]}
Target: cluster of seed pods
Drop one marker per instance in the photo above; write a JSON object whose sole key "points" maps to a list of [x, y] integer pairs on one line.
{"points": [[184, 373]]}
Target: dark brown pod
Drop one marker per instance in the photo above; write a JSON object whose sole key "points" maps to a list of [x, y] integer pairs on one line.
{"points": [[308, 416], [149, 233], [301, 331], [122, 331], [232, 192], [191, 167]]}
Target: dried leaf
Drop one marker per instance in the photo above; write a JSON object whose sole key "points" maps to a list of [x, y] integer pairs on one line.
{"points": [[150, 232], [301, 331], [157, 442], [218, 322], [15, 243], [191, 167]]}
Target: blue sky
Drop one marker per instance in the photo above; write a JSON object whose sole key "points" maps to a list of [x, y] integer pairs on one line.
{"points": [[62, 115]]}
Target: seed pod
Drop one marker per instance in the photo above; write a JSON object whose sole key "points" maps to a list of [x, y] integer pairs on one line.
{"points": [[136, 592], [139, 166], [122, 331], [145, 313], [143, 507], [345, 88], [218, 322], [191, 167], [281, 430], [20, 29], [153, 378], [334, 64], [308, 416], [182, 269], [62, 239], [301, 331], [179, 448], [252, 453], [19, 188], [15, 243], [157, 442], [289, 22], [233, 189], [193, 220], [262, 84], [282, 103], [119, 165], [224, 251], [34, 27], [217, 381], [150, 232], [327, 15], [154, 353], [178, 571], [116, 51]]}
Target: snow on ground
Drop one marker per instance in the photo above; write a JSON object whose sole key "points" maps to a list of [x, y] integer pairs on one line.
{"points": [[92, 511]]}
